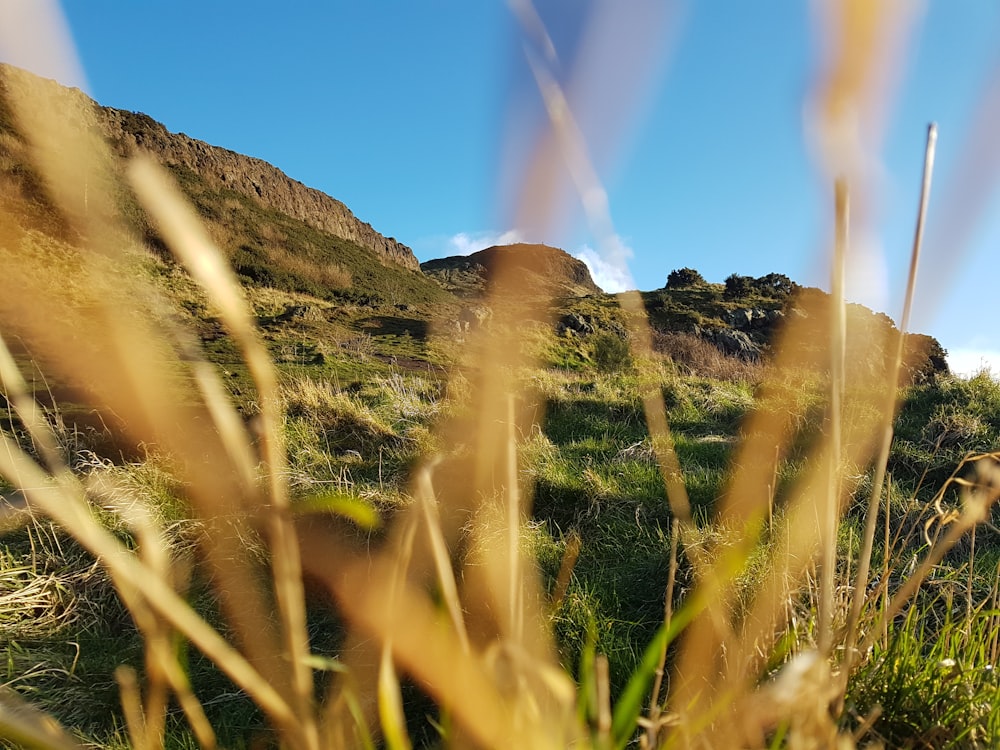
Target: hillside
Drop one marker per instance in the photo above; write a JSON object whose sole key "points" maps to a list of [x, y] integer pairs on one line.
{"points": [[276, 232], [219, 168], [347, 280], [522, 527]]}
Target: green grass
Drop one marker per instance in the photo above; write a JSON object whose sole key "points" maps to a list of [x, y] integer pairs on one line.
{"points": [[934, 680], [359, 430], [595, 475]]}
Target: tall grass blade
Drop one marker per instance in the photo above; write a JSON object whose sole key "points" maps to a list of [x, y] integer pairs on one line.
{"points": [[184, 235], [830, 508], [890, 405], [390, 704], [439, 551]]}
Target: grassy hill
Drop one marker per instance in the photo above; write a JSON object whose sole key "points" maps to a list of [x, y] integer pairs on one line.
{"points": [[508, 547]]}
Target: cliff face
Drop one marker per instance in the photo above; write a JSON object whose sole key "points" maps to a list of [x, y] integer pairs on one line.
{"points": [[129, 131]]}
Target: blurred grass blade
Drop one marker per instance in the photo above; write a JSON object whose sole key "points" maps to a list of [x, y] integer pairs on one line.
{"points": [[355, 509], [830, 507], [439, 550], [131, 702], [515, 590], [28, 727], [891, 404], [390, 704]]}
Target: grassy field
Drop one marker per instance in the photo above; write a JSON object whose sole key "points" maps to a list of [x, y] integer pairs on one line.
{"points": [[600, 532]]}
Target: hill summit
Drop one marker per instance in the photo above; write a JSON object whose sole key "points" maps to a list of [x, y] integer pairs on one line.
{"points": [[546, 270]]}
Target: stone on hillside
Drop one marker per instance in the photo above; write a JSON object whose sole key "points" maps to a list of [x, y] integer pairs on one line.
{"points": [[471, 318], [300, 312], [753, 319], [736, 343], [575, 323]]}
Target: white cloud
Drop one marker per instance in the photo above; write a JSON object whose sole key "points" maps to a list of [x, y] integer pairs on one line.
{"points": [[969, 362], [467, 243], [610, 269], [867, 277]]}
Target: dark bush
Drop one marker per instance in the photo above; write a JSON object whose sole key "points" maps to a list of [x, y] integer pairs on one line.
{"points": [[738, 287], [683, 277], [774, 285], [924, 358]]}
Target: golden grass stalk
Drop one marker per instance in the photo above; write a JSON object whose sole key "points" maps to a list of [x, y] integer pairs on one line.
{"points": [[439, 550], [890, 406], [206, 264], [390, 703], [570, 142], [571, 554], [515, 590], [830, 509], [131, 700]]}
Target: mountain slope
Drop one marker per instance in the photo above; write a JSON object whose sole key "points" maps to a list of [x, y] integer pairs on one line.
{"points": [[279, 234], [275, 231], [129, 132]]}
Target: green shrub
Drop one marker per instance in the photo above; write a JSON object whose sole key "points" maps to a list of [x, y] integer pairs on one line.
{"points": [[682, 277], [610, 352], [775, 285], [738, 287]]}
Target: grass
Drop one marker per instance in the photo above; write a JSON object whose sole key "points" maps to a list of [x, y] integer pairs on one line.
{"points": [[336, 526], [933, 680]]}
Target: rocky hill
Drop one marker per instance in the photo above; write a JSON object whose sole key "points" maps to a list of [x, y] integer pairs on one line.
{"points": [[129, 131], [547, 270], [339, 280]]}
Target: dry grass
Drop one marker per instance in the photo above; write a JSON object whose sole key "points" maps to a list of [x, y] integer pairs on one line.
{"points": [[696, 356]]}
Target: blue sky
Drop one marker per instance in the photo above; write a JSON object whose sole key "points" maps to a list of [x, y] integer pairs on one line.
{"points": [[421, 117]]}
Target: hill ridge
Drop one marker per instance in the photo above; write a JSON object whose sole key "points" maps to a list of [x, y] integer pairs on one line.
{"points": [[255, 178]]}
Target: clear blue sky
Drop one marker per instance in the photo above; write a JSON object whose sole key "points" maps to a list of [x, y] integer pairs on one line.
{"points": [[419, 116]]}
